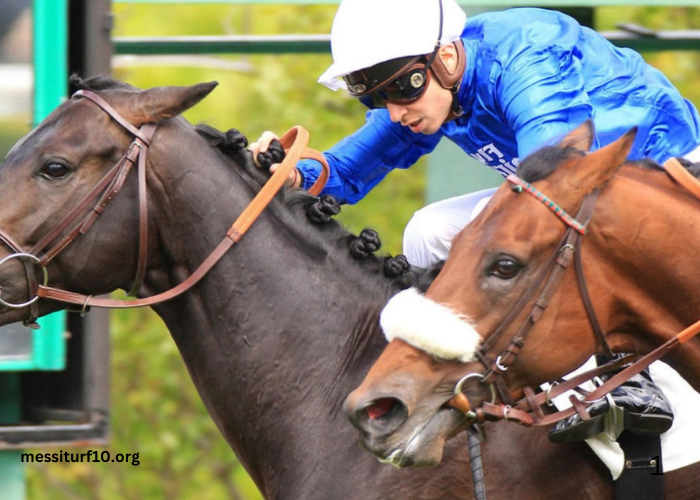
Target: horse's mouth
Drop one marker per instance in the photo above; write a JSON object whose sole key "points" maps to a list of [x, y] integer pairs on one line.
{"points": [[421, 446], [9, 314]]}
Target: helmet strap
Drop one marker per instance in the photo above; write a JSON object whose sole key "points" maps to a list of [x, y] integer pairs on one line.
{"points": [[457, 109]]}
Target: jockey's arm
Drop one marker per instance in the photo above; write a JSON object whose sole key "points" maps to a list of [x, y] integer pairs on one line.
{"points": [[360, 161]]}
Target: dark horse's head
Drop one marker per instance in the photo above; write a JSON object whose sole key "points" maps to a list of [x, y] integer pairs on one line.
{"points": [[52, 169]]}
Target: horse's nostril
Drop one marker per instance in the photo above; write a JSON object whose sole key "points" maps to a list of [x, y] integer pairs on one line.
{"points": [[381, 416], [379, 408]]}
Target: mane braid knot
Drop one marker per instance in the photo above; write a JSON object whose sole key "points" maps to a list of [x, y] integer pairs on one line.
{"points": [[323, 210], [274, 154], [396, 266], [365, 244], [231, 143]]}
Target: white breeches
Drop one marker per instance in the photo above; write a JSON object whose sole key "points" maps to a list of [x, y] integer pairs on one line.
{"points": [[694, 155], [428, 235]]}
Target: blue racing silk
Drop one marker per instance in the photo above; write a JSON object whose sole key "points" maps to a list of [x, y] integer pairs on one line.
{"points": [[531, 76]]}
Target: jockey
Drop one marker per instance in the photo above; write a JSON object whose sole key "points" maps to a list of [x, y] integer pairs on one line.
{"points": [[499, 85]]}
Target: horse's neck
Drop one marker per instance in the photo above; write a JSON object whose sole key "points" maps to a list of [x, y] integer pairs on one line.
{"points": [[270, 330], [273, 360], [647, 225], [644, 233]]}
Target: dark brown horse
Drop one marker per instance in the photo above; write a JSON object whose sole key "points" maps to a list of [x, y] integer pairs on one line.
{"points": [[636, 255], [276, 334]]}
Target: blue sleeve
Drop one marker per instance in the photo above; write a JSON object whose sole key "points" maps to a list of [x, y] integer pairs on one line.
{"points": [[360, 161], [542, 94]]}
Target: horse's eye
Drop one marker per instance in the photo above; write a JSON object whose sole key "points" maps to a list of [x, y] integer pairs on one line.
{"points": [[505, 268], [55, 171]]}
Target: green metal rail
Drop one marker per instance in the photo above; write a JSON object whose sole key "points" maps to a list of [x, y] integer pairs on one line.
{"points": [[251, 44], [320, 44]]}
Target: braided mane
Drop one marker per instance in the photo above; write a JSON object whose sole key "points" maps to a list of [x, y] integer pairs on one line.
{"points": [[233, 145]]}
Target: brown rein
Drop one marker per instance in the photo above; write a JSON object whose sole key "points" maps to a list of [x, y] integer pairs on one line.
{"points": [[527, 411], [293, 141]]}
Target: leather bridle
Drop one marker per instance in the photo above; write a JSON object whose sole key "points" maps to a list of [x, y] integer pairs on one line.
{"points": [[528, 411], [81, 218]]}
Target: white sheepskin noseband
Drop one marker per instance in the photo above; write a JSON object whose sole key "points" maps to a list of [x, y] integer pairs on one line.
{"points": [[429, 326]]}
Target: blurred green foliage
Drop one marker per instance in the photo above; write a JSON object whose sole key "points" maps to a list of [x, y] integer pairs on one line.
{"points": [[156, 411], [11, 130]]}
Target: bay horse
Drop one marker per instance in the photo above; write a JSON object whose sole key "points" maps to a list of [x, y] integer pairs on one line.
{"points": [[276, 334], [495, 313]]}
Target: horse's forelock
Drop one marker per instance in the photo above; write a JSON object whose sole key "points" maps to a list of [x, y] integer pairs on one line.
{"points": [[99, 83], [649, 164], [543, 162]]}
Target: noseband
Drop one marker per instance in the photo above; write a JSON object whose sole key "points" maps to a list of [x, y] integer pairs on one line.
{"points": [[81, 218]]}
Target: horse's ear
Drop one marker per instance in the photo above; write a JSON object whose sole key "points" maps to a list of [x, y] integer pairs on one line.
{"points": [[159, 103], [595, 169], [581, 137]]}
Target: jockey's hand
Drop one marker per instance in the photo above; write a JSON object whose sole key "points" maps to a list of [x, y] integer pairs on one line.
{"points": [[268, 153]]}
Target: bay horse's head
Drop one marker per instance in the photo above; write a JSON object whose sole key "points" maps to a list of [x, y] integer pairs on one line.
{"points": [[468, 327], [54, 171]]}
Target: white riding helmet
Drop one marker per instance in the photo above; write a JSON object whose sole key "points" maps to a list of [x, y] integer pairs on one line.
{"points": [[368, 32]]}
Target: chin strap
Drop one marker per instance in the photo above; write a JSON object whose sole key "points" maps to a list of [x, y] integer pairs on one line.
{"points": [[457, 109]]}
